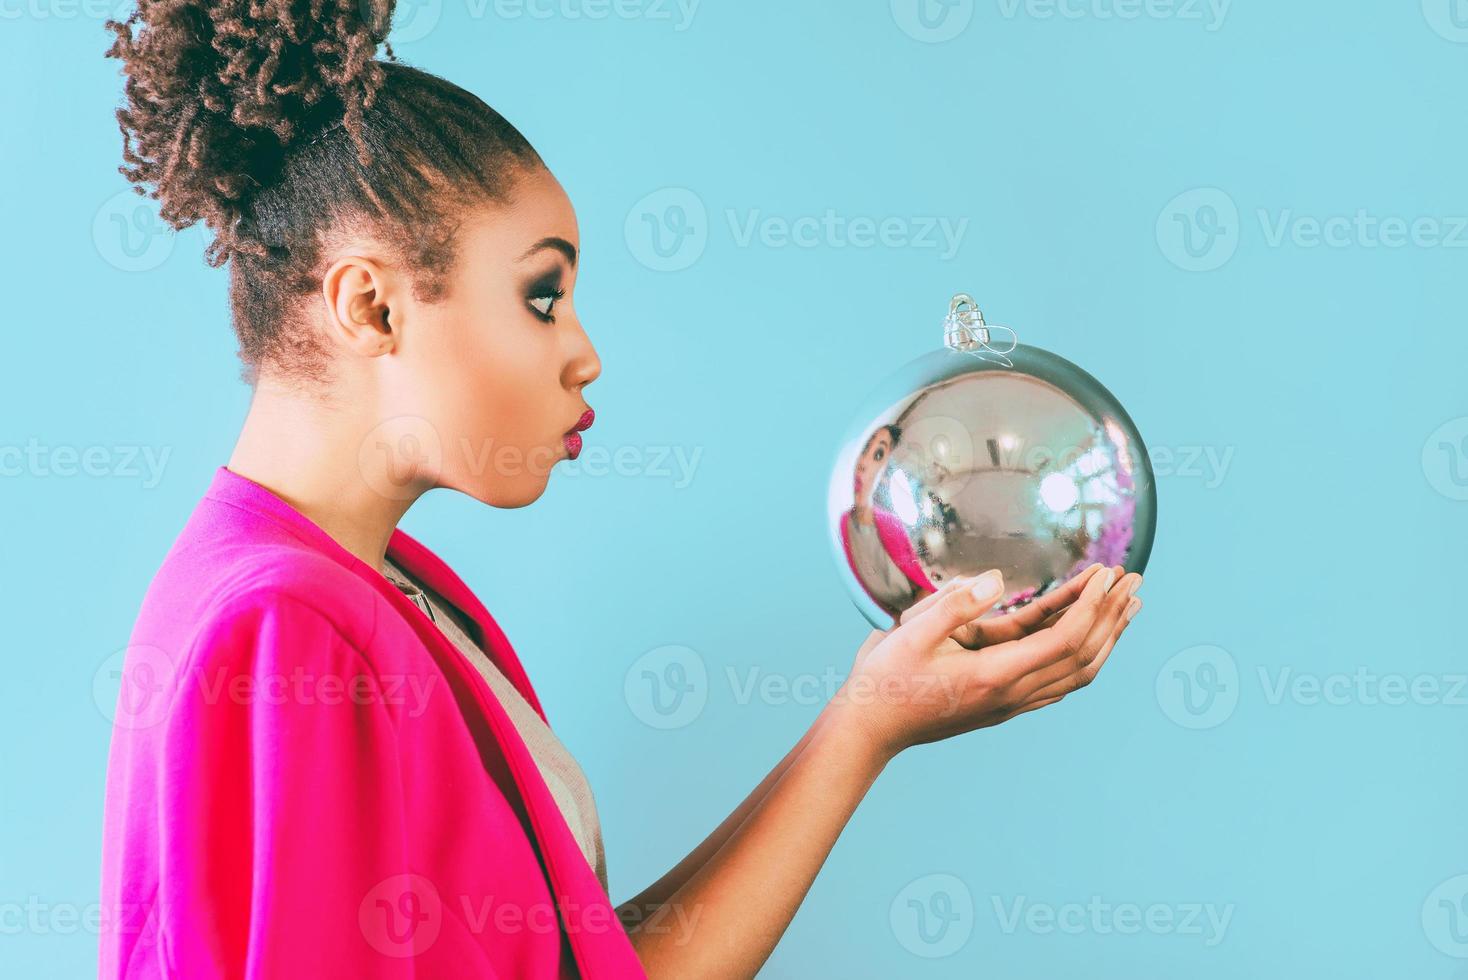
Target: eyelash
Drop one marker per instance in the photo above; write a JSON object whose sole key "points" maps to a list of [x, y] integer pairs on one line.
{"points": [[554, 295]]}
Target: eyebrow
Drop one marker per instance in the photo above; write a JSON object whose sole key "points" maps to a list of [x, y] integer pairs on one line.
{"points": [[555, 242]]}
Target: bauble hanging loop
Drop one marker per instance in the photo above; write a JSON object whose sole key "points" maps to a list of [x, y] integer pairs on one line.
{"points": [[964, 330]]}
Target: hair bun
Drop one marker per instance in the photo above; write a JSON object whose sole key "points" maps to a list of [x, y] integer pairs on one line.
{"points": [[219, 91]]}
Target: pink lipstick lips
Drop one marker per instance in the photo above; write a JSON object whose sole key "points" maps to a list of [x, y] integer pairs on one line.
{"points": [[572, 439]]}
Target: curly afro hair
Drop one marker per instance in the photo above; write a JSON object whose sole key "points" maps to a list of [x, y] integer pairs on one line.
{"points": [[275, 123]]}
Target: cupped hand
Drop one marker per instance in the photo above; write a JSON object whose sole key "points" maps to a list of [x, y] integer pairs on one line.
{"points": [[942, 670]]}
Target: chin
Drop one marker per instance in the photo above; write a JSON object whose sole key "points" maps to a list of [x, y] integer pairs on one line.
{"points": [[508, 494]]}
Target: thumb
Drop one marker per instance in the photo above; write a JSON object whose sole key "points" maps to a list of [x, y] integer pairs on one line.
{"points": [[954, 609]]}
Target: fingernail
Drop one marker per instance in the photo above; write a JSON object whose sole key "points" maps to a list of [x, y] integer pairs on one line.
{"points": [[1132, 607], [1106, 579], [987, 586], [1136, 584]]}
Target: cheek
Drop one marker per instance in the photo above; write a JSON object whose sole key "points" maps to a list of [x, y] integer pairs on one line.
{"points": [[494, 380]]}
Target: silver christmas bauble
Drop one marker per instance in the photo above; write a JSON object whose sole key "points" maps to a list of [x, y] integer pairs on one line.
{"points": [[980, 456]]}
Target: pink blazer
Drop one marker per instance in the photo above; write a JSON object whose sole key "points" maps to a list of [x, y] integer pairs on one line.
{"points": [[894, 541], [307, 780]]}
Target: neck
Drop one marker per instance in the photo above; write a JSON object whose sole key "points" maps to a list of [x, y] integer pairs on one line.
{"points": [[315, 454]]}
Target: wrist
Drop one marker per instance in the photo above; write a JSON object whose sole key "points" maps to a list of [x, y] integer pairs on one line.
{"points": [[845, 721]]}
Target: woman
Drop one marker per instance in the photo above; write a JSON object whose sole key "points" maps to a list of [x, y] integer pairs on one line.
{"points": [[328, 760], [875, 543]]}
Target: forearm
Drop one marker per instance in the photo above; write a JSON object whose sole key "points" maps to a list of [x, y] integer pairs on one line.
{"points": [[651, 898], [726, 918]]}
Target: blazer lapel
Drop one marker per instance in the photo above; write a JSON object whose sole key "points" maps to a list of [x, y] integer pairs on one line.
{"points": [[574, 884], [425, 566]]}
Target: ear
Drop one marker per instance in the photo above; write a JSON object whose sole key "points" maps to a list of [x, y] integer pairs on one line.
{"points": [[358, 293]]}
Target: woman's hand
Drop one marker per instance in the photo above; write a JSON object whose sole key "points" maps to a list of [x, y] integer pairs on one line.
{"points": [[942, 671], [919, 682]]}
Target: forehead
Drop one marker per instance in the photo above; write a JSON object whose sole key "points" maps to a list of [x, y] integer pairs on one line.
{"points": [[538, 208]]}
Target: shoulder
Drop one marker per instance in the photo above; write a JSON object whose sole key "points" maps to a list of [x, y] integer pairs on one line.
{"points": [[286, 636], [219, 596], [241, 554], [296, 584], [888, 523]]}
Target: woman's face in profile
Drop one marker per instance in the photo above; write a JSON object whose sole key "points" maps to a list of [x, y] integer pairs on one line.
{"points": [[497, 366], [870, 465]]}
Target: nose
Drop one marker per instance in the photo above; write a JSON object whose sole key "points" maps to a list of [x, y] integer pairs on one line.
{"points": [[584, 366]]}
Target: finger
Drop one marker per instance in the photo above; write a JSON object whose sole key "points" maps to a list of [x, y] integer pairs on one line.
{"points": [[1067, 685], [1116, 631], [1033, 705], [1090, 647], [1026, 617], [1114, 610], [919, 607], [1019, 658], [1056, 601], [1054, 617], [952, 609], [1025, 620], [1069, 672]]}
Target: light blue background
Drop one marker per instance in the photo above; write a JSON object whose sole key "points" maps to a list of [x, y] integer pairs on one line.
{"points": [[1332, 540]]}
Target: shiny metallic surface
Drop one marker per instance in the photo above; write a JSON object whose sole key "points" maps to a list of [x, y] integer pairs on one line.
{"points": [[960, 463]]}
